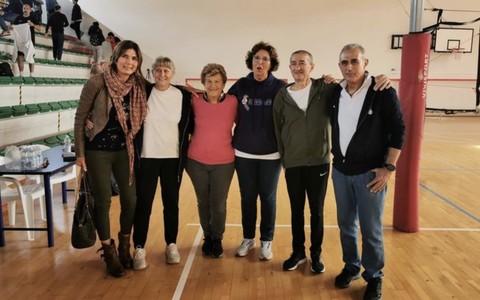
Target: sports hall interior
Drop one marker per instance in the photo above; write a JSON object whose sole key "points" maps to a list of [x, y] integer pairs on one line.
{"points": [[439, 261]]}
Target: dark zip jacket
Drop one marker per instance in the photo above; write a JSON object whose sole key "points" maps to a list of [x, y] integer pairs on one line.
{"points": [[185, 128], [254, 132], [380, 126]]}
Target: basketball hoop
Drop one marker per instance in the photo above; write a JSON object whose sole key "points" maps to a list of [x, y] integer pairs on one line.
{"points": [[457, 53]]}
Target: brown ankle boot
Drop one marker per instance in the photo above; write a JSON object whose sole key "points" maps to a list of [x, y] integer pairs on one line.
{"points": [[110, 256], [124, 250]]}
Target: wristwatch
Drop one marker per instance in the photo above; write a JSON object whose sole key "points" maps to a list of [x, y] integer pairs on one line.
{"points": [[390, 167]]}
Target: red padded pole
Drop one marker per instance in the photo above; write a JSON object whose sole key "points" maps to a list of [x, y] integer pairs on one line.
{"points": [[413, 95]]}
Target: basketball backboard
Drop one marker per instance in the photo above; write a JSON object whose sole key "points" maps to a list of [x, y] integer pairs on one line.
{"points": [[458, 39]]}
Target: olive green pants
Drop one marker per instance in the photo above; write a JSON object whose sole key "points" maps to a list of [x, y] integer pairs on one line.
{"points": [[100, 166]]}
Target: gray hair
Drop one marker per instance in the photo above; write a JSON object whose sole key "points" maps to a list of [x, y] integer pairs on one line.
{"points": [[310, 56], [351, 47]]}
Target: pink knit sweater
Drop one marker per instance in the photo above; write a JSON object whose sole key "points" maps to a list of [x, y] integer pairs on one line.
{"points": [[211, 141]]}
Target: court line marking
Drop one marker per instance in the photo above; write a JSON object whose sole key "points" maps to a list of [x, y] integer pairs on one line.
{"points": [[191, 256], [188, 265], [451, 203]]}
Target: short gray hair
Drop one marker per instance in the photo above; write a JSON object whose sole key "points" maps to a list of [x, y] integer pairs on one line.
{"points": [[351, 47]]}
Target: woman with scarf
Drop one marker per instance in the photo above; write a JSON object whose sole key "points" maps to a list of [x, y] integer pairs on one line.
{"points": [[115, 101]]}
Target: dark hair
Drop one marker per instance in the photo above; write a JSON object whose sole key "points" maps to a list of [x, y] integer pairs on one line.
{"points": [[57, 7], [120, 49], [274, 63], [110, 34]]}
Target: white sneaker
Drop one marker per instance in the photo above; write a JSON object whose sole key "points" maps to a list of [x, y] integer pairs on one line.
{"points": [[139, 262], [265, 251], [245, 246], [172, 255]]}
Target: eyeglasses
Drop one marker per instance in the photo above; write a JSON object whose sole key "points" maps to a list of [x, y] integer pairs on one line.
{"points": [[260, 58]]}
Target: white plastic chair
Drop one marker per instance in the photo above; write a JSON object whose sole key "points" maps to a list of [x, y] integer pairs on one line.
{"points": [[68, 174], [12, 190]]}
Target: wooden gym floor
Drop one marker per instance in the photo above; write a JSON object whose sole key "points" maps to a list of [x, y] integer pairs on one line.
{"points": [[441, 261]]}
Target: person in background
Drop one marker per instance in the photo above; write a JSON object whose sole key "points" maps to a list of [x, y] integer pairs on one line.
{"points": [[9, 11], [27, 18], [112, 39], [96, 40], [162, 146], [37, 9], [211, 156], [76, 19], [55, 24], [115, 101], [50, 5], [368, 132], [257, 160]]}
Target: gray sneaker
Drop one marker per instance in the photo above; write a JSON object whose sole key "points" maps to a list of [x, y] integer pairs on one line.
{"points": [[265, 250], [171, 254], [245, 246], [139, 262]]}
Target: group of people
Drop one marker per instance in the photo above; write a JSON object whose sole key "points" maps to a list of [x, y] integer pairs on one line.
{"points": [[155, 131]]}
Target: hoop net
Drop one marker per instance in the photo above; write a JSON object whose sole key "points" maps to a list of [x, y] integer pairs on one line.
{"points": [[457, 53]]}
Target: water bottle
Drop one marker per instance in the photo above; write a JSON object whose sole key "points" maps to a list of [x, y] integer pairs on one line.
{"points": [[67, 144]]}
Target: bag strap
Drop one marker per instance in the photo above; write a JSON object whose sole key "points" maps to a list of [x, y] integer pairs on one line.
{"points": [[81, 182]]}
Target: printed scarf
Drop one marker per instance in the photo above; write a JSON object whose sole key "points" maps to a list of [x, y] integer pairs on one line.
{"points": [[118, 89]]}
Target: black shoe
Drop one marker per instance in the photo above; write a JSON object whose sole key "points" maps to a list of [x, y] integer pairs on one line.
{"points": [[294, 261], [207, 246], [217, 249], [317, 265], [344, 279], [374, 289]]}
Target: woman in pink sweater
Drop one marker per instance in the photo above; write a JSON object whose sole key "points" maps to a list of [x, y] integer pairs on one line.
{"points": [[211, 156]]}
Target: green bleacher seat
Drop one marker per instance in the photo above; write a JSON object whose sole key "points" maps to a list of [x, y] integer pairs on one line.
{"points": [[5, 80], [52, 141], [49, 80], [19, 110], [32, 109], [17, 80], [39, 80], [6, 112], [29, 80], [44, 107], [73, 103], [60, 81], [54, 106], [38, 142], [64, 104]]}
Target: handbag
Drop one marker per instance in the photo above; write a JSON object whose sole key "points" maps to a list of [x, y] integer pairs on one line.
{"points": [[83, 228]]}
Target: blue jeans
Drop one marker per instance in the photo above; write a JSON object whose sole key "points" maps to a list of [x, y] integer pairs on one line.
{"points": [[7, 16], [258, 177], [356, 202]]}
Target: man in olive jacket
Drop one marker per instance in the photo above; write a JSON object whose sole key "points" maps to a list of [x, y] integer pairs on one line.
{"points": [[301, 113]]}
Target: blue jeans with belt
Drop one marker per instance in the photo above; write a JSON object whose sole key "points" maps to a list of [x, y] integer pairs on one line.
{"points": [[355, 203], [258, 177]]}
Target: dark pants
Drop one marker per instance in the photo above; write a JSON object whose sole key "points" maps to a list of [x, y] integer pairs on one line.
{"points": [[76, 27], [211, 184], [101, 164], [147, 178], [312, 180], [258, 177], [57, 40]]}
